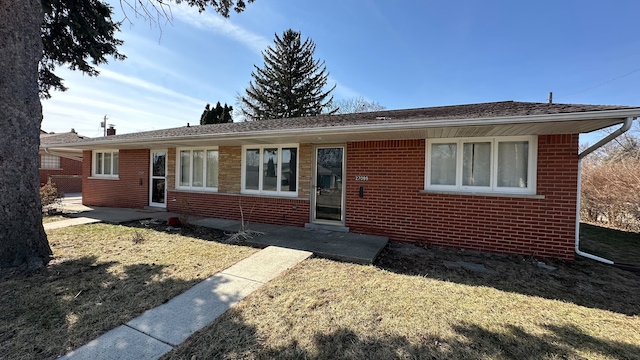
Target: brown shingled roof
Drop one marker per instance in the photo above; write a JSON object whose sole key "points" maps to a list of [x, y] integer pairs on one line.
{"points": [[61, 138], [491, 110]]}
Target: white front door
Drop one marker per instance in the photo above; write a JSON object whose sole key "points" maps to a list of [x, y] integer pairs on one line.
{"points": [[328, 204], [158, 179]]}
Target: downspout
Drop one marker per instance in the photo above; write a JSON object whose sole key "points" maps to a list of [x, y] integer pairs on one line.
{"points": [[627, 124]]}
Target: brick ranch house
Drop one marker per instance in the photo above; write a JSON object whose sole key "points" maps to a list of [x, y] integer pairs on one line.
{"points": [[63, 168], [498, 177]]}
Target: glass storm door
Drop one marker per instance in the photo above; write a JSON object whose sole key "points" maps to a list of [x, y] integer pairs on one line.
{"points": [[329, 189], [158, 180]]}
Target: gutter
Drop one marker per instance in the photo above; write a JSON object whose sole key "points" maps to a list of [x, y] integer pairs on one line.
{"points": [[407, 125], [625, 126]]}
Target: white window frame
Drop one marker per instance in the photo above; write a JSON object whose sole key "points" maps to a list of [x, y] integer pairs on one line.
{"points": [[204, 169], [94, 162], [278, 192], [493, 187], [46, 160]]}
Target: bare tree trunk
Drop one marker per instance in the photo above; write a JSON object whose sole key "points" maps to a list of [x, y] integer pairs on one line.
{"points": [[23, 241]]}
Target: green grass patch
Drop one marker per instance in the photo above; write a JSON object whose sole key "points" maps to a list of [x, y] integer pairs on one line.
{"points": [[102, 276], [616, 245]]}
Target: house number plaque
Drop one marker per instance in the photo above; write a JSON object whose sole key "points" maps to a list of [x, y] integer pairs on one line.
{"points": [[362, 178]]}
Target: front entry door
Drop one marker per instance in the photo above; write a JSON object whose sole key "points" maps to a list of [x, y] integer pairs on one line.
{"points": [[158, 180], [329, 187]]}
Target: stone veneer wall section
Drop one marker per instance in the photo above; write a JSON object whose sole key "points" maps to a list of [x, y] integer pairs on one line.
{"points": [[229, 169], [171, 168], [393, 205], [304, 169]]}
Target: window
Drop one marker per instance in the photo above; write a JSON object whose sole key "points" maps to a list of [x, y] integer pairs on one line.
{"points": [[197, 169], [270, 170], [48, 161], [105, 163], [501, 164]]}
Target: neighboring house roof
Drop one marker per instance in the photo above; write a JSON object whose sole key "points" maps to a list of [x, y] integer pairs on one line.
{"points": [[60, 138], [472, 120], [50, 141]]}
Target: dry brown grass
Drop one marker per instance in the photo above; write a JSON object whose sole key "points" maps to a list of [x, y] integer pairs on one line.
{"points": [[52, 218], [98, 280], [409, 306]]}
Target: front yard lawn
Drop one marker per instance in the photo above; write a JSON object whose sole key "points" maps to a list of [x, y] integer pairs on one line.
{"points": [[409, 305], [101, 278]]}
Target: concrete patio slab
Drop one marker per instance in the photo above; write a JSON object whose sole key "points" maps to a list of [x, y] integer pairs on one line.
{"points": [[176, 320], [265, 228], [265, 265], [120, 343], [356, 248]]}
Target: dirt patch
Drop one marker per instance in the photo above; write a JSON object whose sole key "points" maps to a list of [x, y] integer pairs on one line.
{"points": [[191, 231]]}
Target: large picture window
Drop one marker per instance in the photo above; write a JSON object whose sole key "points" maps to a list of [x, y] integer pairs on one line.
{"points": [[501, 164], [105, 163], [270, 170], [197, 169]]}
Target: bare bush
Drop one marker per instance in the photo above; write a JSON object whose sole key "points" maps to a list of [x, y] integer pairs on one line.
{"points": [[611, 192], [49, 197], [137, 237]]}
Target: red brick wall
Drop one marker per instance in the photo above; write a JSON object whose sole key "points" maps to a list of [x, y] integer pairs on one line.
{"points": [[393, 205], [68, 178], [130, 190], [268, 210]]}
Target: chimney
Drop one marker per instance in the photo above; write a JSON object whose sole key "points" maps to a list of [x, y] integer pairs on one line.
{"points": [[111, 130]]}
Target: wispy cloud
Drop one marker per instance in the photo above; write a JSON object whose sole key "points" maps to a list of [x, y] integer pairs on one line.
{"points": [[216, 23], [343, 91], [131, 103], [147, 86]]}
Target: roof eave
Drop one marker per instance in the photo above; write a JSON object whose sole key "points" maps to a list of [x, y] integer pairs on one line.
{"points": [[418, 123]]}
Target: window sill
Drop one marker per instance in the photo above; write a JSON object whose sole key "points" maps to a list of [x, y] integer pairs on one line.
{"points": [[104, 178], [239, 194], [195, 191], [473, 193]]}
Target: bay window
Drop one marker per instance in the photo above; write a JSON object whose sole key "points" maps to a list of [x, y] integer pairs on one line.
{"points": [[197, 169], [500, 164], [271, 170]]}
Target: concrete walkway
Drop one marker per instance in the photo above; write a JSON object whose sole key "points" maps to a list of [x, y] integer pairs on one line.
{"points": [[335, 245], [159, 330]]}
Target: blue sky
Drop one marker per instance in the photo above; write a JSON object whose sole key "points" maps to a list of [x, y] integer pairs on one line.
{"points": [[402, 54]]}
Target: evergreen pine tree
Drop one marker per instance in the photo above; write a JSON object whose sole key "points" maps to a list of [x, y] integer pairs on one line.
{"points": [[203, 117], [216, 115], [290, 84], [227, 114], [218, 112]]}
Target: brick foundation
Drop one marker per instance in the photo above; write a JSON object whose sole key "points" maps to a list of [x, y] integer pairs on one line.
{"points": [[260, 209]]}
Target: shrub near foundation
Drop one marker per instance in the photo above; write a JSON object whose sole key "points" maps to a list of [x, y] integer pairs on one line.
{"points": [[50, 195]]}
